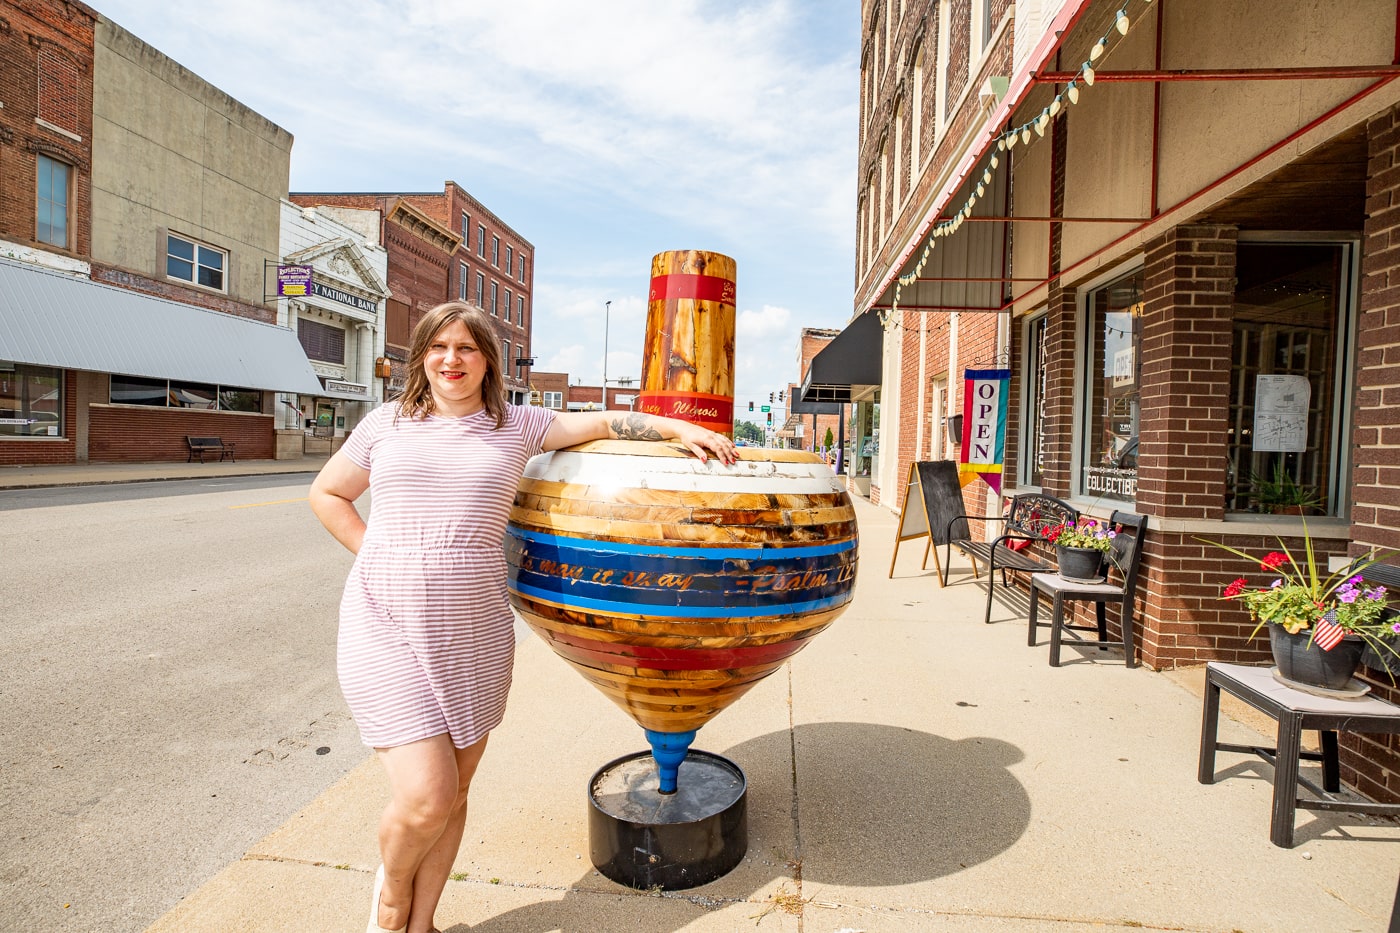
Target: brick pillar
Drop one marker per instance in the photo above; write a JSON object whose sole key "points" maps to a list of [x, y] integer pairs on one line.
{"points": [[1188, 298], [1371, 764], [1061, 351]]}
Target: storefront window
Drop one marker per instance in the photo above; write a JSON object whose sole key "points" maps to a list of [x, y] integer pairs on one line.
{"points": [[162, 393], [31, 401], [1033, 419], [1111, 387], [1291, 302]]}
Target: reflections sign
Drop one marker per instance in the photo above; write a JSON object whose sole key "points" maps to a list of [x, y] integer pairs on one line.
{"points": [[985, 394]]}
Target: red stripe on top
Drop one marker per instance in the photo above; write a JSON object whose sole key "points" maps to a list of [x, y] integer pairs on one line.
{"points": [[684, 285], [676, 659]]}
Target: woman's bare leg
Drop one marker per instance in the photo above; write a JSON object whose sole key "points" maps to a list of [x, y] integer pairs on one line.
{"points": [[427, 799], [436, 866]]}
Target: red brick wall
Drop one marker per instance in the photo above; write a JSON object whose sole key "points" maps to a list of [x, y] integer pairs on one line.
{"points": [[133, 434], [45, 44], [174, 291]]}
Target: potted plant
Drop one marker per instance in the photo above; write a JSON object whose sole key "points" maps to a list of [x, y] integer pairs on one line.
{"points": [[1279, 493], [1318, 624], [1080, 548]]}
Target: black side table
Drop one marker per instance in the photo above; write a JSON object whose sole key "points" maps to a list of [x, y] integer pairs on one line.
{"points": [[1295, 711]]}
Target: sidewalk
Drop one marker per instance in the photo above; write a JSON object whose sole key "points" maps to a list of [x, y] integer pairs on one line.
{"points": [[82, 474], [911, 770]]}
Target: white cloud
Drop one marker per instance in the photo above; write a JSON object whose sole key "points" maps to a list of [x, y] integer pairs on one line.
{"points": [[604, 133]]}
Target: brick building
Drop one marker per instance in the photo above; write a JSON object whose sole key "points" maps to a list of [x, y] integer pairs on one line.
{"points": [[447, 246], [1171, 222], [98, 247]]}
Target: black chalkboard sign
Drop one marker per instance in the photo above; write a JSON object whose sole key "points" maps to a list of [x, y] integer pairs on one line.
{"points": [[932, 499]]}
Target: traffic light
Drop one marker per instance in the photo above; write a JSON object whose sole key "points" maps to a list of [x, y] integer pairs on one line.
{"points": [[770, 417], [750, 406], [770, 401], [780, 396]]}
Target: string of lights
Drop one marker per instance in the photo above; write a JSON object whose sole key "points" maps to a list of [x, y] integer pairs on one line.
{"points": [[1008, 140]]}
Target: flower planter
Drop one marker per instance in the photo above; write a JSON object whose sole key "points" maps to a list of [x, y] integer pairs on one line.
{"points": [[1308, 664], [1080, 564]]}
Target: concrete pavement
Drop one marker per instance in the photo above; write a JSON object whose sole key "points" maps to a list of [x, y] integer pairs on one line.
{"points": [[913, 769]]}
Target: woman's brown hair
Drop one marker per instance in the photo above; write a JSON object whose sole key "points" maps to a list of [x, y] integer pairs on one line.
{"points": [[416, 400]]}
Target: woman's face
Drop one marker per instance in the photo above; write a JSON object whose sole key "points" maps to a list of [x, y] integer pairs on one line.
{"points": [[455, 367]]}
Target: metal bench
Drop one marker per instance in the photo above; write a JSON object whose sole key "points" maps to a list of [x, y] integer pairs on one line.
{"points": [[1027, 518], [209, 445]]}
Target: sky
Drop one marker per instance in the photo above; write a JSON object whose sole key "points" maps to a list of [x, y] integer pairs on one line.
{"points": [[602, 132]]}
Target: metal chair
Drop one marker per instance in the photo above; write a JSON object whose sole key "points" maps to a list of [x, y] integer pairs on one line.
{"points": [[1125, 558]]}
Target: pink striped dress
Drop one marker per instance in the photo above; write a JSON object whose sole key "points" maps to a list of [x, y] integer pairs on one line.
{"points": [[426, 632]]}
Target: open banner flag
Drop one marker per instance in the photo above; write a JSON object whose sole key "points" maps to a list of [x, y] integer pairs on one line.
{"points": [[984, 426]]}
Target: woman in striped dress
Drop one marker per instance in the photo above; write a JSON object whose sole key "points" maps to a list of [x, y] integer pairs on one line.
{"points": [[426, 632]]}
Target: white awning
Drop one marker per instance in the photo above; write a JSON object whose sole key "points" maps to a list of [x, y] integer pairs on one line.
{"points": [[50, 318]]}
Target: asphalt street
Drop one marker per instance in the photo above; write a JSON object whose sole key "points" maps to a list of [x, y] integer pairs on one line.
{"points": [[169, 692]]}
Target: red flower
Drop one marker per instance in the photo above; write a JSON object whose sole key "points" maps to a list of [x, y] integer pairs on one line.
{"points": [[1235, 588], [1054, 532], [1273, 560]]}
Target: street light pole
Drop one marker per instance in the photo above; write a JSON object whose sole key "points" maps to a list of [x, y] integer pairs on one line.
{"points": [[607, 308]]}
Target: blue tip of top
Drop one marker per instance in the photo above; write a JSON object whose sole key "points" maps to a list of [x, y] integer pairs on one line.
{"points": [[669, 749]]}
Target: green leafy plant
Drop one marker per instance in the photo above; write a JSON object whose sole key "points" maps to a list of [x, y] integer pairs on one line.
{"points": [[1301, 596], [1086, 533], [1279, 490]]}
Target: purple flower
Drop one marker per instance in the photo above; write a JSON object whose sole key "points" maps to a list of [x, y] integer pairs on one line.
{"points": [[1396, 628], [1276, 584], [1347, 595], [1356, 580]]}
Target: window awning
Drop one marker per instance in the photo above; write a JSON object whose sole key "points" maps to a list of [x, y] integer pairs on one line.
{"points": [[54, 319], [850, 361]]}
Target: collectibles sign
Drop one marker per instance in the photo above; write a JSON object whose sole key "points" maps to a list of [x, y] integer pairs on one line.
{"points": [[293, 281], [985, 394]]}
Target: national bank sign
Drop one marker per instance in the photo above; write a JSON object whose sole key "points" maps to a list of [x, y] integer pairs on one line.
{"points": [[332, 293]]}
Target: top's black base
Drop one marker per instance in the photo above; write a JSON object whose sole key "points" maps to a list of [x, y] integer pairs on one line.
{"points": [[644, 839]]}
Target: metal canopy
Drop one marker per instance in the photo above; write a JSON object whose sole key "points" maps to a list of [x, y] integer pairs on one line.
{"points": [[852, 359], [51, 318]]}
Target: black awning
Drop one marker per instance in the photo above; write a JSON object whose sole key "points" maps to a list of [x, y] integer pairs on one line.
{"points": [[799, 407], [852, 359]]}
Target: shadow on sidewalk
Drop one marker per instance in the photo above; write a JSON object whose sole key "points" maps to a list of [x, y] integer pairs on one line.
{"points": [[877, 806]]}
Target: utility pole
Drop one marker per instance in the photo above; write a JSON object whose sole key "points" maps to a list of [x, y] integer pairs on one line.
{"points": [[607, 308]]}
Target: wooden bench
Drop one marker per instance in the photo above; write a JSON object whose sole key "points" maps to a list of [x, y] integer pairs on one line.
{"points": [[1027, 518], [209, 445]]}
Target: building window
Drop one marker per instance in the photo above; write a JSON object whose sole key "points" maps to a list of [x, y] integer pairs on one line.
{"points": [[52, 202], [496, 251], [194, 262], [986, 22], [466, 228], [521, 266], [1112, 383], [505, 357], [480, 240], [1033, 424], [480, 289], [163, 393], [554, 400], [1292, 312], [520, 310], [507, 305], [31, 400], [463, 280], [510, 259], [494, 308], [321, 341]]}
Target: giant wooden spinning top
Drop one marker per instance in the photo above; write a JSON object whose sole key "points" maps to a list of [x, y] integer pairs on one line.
{"points": [[674, 585]]}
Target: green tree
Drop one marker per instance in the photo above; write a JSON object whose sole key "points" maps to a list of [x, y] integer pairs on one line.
{"points": [[748, 432], [828, 440]]}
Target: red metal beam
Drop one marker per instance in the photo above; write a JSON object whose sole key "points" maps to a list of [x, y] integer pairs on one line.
{"points": [[1050, 220], [1228, 74]]}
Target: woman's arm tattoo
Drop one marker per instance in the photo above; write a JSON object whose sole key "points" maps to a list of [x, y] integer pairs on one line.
{"points": [[635, 428]]}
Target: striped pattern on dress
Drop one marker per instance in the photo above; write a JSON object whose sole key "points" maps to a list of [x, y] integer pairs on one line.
{"points": [[426, 632]]}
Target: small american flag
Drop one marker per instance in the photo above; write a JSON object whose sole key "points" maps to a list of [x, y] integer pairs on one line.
{"points": [[1326, 634]]}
